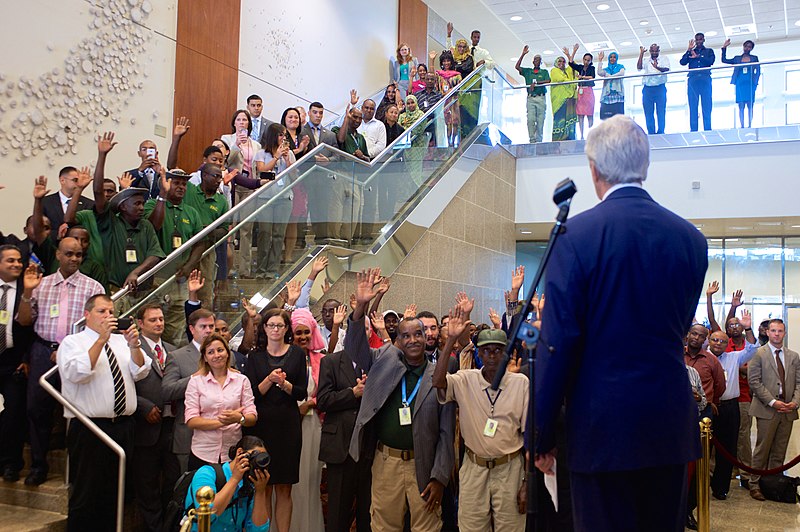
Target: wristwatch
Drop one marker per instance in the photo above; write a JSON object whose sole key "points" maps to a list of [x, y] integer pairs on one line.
{"points": [[242, 420]]}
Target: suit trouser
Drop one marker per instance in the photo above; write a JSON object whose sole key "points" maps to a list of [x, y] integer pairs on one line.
{"points": [[40, 405], [699, 88], [654, 98], [772, 438], [93, 470], [155, 471], [726, 431], [536, 107], [394, 491], [487, 495], [652, 499], [12, 421], [744, 450], [349, 482]]}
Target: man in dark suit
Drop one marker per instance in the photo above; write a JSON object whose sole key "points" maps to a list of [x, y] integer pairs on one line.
{"points": [[414, 454], [178, 369], [631, 419], [155, 467], [15, 340], [255, 106], [341, 386], [319, 195], [55, 205]]}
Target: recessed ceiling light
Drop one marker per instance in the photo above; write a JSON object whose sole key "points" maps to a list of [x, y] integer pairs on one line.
{"points": [[797, 22], [548, 52], [603, 7], [740, 227], [516, 18], [648, 31], [711, 33], [525, 231], [677, 28], [643, 23], [625, 43]]}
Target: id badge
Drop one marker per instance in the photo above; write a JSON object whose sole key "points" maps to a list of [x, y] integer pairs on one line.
{"points": [[4, 321], [130, 256], [490, 429], [744, 70], [580, 90], [405, 416], [177, 241], [54, 312]]}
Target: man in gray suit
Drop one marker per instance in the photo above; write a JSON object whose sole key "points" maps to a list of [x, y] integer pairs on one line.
{"points": [[183, 363], [255, 107], [155, 467], [401, 417], [774, 377], [324, 196]]}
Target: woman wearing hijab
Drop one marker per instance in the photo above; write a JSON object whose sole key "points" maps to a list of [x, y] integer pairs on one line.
{"points": [[390, 97], [306, 504], [419, 144], [612, 99], [470, 98], [562, 98]]}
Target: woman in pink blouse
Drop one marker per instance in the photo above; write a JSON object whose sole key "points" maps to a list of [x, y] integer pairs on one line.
{"points": [[219, 402]]}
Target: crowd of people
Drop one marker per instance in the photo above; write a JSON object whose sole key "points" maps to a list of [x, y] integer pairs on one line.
{"points": [[573, 100]]}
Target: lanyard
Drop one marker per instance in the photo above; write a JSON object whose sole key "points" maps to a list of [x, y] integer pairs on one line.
{"points": [[492, 402], [409, 400]]}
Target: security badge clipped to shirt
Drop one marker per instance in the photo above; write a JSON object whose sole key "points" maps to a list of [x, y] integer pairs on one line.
{"points": [[4, 315], [405, 410], [490, 429], [54, 310]]}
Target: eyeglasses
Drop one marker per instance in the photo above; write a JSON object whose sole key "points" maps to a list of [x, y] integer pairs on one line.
{"points": [[277, 326], [718, 340]]}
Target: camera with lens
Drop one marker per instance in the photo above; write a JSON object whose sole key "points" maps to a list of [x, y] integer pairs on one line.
{"points": [[258, 461]]}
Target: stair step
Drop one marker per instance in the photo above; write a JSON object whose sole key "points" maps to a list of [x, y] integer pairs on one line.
{"points": [[16, 519], [52, 496]]}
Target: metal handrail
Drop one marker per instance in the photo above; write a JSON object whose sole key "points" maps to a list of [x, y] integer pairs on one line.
{"points": [[668, 73], [105, 438]]}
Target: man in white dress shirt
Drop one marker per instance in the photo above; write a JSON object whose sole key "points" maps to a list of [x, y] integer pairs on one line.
{"points": [[99, 367]]}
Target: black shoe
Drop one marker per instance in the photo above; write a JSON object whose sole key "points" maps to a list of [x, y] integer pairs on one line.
{"points": [[745, 484], [691, 524], [35, 478], [10, 475], [720, 496]]}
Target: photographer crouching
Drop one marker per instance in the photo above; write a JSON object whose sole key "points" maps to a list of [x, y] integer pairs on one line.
{"points": [[241, 504]]}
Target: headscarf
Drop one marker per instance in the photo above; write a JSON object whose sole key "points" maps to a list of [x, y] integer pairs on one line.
{"points": [[380, 112], [303, 316], [458, 58], [407, 118], [616, 67]]}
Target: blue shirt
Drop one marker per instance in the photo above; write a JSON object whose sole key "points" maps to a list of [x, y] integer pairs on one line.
{"points": [[731, 362], [238, 516], [705, 58]]}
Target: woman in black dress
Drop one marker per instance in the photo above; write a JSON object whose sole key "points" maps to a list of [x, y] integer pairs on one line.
{"points": [[277, 373]]}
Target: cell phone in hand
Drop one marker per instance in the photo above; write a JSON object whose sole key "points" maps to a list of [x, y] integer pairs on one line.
{"points": [[123, 324], [151, 153], [269, 176]]}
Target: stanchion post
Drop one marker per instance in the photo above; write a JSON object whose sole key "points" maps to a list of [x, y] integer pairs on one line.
{"points": [[704, 478], [205, 497]]}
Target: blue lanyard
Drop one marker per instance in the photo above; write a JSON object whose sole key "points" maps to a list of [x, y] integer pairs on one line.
{"points": [[408, 401]]}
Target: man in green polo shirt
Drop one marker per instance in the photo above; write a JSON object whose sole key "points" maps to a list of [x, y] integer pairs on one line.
{"points": [[175, 223], [535, 78], [346, 197]]}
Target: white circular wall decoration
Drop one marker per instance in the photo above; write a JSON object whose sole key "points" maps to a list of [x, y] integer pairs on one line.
{"points": [[48, 114]]}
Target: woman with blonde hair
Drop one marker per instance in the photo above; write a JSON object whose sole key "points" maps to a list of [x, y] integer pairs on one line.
{"points": [[403, 67], [219, 402]]}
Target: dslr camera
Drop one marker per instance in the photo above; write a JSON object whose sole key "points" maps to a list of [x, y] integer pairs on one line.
{"points": [[258, 461]]}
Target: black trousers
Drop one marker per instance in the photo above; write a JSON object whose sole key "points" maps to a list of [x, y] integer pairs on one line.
{"points": [[155, 470], [12, 420], [349, 484], [652, 499], [726, 431], [93, 470], [41, 405]]}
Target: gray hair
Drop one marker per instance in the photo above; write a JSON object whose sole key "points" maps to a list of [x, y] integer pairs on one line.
{"points": [[619, 150]]}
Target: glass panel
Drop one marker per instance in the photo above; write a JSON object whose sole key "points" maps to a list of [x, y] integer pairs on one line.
{"points": [[792, 274], [753, 265]]}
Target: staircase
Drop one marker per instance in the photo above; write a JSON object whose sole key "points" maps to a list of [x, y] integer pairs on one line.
{"points": [[39, 508]]}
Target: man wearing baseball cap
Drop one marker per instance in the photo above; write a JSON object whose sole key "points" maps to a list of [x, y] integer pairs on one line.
{"points": [[492, 476]]}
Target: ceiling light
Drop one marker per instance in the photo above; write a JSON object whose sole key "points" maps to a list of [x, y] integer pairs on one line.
{"points": [[514, 59], [711, 33], [525, 231], [548, 52], [740, 227], [605, 7], [643, 23], [677, 28], [625, 43], [516, 18]]}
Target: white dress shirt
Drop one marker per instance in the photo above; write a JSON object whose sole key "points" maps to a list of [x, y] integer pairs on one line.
{"points": [[782, 356], [375, 134], [64, 201], [619, 186], [339, 341], [11, 303], [92, 390], [652, 81]]}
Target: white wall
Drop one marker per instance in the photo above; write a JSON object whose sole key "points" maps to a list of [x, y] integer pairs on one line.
{"points": [[293, 53], [751, 180], [60, 60]]}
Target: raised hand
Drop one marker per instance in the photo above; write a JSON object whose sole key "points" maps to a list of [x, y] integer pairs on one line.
{"points": [[249, 308], [517, 279], [365, 285], [737, 299], [353, 301], [326, 286], [525, 49], [691, 44], [339, 315], [713, 288], [106, 143], [746, 320], [575, 48], [293, 289], [376, 318], [494, 317], [84, 177], [601, 56], [353, 97], [32, 278], [458, 322], [40, 189], [196, 281], [181, 126], [229, 175], [165, 184], [125, 181], [410, 312], [464, 302], [449, 29], [432, 55], [384, 285], [726, 43], [319, 264]]}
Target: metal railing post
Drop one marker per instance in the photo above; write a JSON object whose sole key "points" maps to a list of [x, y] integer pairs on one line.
{"points": [[704, 478]]}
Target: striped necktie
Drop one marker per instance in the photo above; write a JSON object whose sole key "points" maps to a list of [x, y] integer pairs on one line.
{"points": [[7, 321], [119, 384]]}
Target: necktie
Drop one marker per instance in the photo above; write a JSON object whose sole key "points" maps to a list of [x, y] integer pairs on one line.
{"points": [[66, 205], [3, 308], [62, 326], [316, 134], [119, 384], [781, 372], [160, 356], [473, 52]]}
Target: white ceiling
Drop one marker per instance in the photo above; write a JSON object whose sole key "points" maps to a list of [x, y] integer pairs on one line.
{"points": [[552, 24]]}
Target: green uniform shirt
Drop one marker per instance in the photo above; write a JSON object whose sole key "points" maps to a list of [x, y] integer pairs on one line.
{"points": [[352, 142], [539, 75], [87, 220], [390, 431], [118, 236], [182, 221], [208, 209]]}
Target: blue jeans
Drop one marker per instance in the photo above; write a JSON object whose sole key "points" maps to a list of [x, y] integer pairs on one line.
{"points": [[655, 98], [699, 87]]}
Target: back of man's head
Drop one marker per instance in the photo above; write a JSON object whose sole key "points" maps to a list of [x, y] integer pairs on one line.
{"points": [[619, 150]]}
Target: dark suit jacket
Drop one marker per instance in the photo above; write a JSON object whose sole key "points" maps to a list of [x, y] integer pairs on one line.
{"points": [[179, 368], [148, 395], [432, 424], [51, 205], [335, 397], [326, 136], [622, 288], [23, 337], [262, 132], [140, 180]]}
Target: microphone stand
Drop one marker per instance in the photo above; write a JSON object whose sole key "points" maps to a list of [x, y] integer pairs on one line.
{"points": [[523, 331]]}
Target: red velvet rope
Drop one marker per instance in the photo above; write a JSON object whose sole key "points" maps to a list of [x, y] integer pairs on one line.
{"points": [[760, 472]]}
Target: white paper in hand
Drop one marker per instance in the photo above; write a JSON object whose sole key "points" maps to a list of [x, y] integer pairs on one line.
{"points": [[552, 485]]}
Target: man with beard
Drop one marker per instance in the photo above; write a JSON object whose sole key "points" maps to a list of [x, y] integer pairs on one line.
{"points": [[391, 320]]}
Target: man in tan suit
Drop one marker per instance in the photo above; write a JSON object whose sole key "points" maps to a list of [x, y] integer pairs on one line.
{"points": [[774, 377]]}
